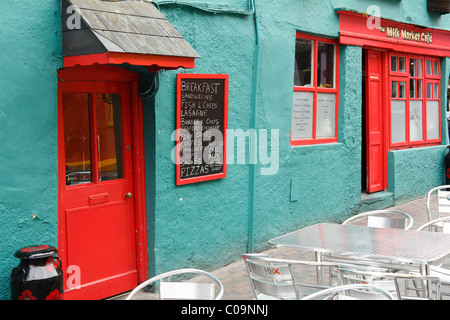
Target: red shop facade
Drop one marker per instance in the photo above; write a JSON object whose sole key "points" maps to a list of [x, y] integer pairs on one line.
{"points": [[402, 79]]}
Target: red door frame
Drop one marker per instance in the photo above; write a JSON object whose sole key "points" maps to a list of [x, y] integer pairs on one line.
{"points": [[110, 73], [377, 117]]}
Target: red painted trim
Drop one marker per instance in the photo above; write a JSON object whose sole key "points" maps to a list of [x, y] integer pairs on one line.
{"points": [[157, 62], [353, 30], [181, 76], [97, 73], [315, 90], [140, 205], [405, 77]]}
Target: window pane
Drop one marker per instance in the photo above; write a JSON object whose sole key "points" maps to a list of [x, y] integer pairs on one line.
{"points": [[398, 123], [394, 85], [412, 88], [302, 115], [325, 65], [429, 91], [326, 115], [419, 67], [109, 136], [419, 88], [401, 64], [435, 68], [303, 62], [415, 120], [412, 67], [432, 119], [393, 63], [77, 138], [428, 67], [402, 89], [435, 91]]}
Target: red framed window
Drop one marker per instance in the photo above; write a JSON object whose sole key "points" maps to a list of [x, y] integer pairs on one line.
{"points": [[316, 90], [414, 100]]}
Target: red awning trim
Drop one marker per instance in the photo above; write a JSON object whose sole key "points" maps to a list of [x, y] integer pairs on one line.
{"points": [[356, 29], [152, 62]]}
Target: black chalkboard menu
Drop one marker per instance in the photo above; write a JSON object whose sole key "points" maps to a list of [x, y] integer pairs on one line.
{"points": [[201, 123]]}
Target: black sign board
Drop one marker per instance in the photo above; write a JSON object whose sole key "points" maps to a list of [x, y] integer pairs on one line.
{"points": [[202, 112]]}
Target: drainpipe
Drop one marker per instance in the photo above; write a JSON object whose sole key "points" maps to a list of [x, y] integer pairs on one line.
{"points": [[253, 142]]}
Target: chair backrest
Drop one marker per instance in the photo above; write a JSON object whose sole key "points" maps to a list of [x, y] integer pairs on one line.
{"points": [[273, 278], [190, 290], [392, 219], [442, 205], [348, 292], [269, 278], [437, 225], [402, 286]]}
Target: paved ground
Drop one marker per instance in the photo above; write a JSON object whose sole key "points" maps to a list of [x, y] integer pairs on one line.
{"points": [[234, 276]]}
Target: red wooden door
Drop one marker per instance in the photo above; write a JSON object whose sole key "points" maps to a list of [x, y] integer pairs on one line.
{"points": [[97, 236], [374, 121]]}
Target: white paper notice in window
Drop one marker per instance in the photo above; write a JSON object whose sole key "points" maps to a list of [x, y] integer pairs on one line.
{"points": [[326, 115], [302, 115]]}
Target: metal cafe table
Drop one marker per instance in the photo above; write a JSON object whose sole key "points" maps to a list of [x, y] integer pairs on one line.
{"points": [[417, 247]]}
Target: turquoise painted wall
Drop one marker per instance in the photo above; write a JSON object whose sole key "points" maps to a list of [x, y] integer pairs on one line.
{"points": [[210, 224], [203, 225], [30, 54]]}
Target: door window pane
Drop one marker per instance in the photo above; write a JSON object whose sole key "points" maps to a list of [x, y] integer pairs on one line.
{"points": [[415, 120], [325, 65], [77, 138], [326, 115], [303, 63], [398, 123], [109, 136]]}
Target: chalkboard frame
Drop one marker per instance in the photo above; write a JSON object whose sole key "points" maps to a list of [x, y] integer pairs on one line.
{"points": [[220, 175]]}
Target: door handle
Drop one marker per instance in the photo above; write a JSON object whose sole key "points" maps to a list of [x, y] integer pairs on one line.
{"points": [[129, 195]]}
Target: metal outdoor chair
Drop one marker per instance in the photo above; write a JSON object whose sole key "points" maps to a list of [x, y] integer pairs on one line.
{"points": [[184, 290], [348, 292], [441, 268], [402, 286], [392, 219], [437, 206], [276, 279]]}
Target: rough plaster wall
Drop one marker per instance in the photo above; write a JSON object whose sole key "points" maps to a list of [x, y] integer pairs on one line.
{"points": [[193, 228], [30, 55], [412, 172], [203, 224], [188, 217]]}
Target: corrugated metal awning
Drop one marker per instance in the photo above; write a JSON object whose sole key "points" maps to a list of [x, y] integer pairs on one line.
{"points": [[121, 31]]}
